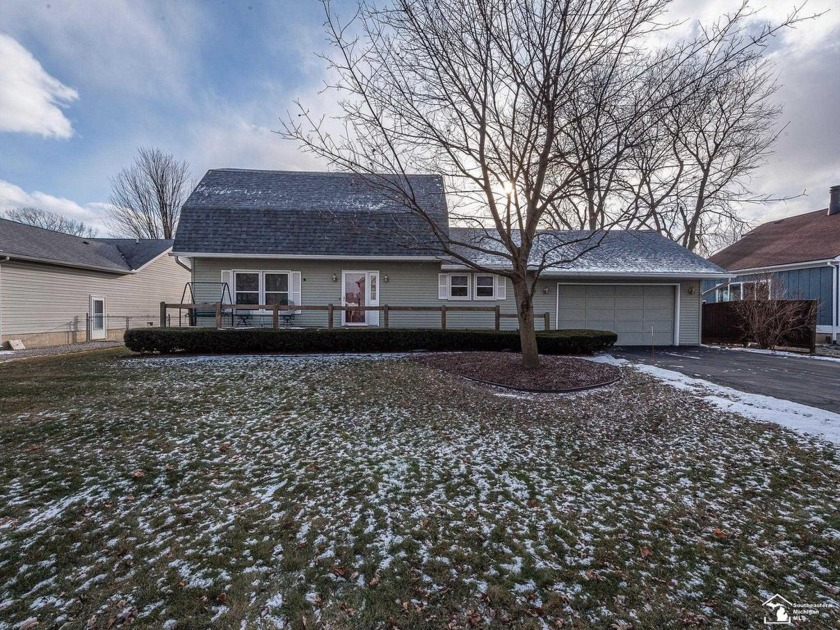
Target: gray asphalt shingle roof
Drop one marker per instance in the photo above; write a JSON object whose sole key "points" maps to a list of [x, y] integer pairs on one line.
{"points": [[117, 255], [294, 213], [611, 252], [234, 211]]}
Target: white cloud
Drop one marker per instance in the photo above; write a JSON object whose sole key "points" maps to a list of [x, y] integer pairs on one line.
{"points": [[31, 100], [12, 196], [132, 48], [805, 35]]}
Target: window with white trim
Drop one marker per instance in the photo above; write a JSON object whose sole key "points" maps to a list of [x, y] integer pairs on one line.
{"points": [[471, 286], [246, 286], [485, 286], [276, 288], [459, 286], [749, 290], [263, 287]]}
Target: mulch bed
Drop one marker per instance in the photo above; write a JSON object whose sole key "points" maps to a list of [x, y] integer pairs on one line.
{"points": [[503, 369]]}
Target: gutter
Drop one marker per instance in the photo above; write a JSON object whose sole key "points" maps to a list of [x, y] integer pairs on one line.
{"points": [[571, 273], [58, 263], [787, 267], [305, 257]]}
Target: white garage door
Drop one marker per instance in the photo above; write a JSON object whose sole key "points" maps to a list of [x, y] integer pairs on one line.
{"points": [[637, 313]]}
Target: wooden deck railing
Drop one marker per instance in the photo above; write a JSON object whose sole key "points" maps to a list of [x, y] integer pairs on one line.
{"points": [[219, 310]]}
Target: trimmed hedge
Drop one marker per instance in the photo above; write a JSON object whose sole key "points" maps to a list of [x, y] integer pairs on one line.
{"points": [[255, 340]]}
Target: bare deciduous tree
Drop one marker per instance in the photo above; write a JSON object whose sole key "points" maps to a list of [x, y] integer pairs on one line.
{"points": [[692, 177], [769, 317], [50, 221], [146, 198], [520, 105]]}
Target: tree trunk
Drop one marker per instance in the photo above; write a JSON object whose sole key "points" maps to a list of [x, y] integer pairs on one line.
{"points": [[525, 314]]}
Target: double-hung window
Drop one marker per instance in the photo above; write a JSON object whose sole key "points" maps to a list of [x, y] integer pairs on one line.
{"points": [[246, 287], [265, 287], [485, 286], [471, 286], [459, 287], [276, 288]]}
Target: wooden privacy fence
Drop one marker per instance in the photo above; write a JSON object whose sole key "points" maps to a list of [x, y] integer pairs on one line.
{"points": [[276, 311], [722, 323]]}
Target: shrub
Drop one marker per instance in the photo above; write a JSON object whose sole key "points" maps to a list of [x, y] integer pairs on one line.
{"points": [[237, 341]]}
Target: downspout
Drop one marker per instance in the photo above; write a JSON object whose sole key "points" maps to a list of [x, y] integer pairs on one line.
{"points": [[835, 298], [2, 260], [182, 264]]}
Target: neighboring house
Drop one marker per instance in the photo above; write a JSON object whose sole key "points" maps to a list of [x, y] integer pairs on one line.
{"points": [[272, 237], [799, 256], [56, 288]]}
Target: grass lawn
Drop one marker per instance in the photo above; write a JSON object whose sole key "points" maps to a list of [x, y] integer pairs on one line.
{"points": [[378, 493]]}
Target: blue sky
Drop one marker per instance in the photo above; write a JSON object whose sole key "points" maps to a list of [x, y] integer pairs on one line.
{"points": [[84, 83]]}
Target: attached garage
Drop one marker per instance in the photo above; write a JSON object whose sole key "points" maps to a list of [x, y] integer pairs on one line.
{"points": [[641, 314]]}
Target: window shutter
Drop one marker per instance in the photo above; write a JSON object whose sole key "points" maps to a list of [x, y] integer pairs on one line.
{"points": [[501, 288], [294, 288], [227, 293], [443, 286]]}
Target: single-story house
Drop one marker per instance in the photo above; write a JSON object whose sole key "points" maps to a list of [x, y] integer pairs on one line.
{"points": [[57, 288], [798, 255], [271, 237]]}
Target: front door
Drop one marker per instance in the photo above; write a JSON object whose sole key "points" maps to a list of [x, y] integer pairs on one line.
{"points": [[98, 318], [360, 289]]}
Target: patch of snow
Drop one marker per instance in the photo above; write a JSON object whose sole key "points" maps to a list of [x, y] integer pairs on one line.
{"points": [[757, 407]]}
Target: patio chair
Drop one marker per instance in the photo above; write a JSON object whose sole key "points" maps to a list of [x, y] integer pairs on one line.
{"points": [[288, 315]]}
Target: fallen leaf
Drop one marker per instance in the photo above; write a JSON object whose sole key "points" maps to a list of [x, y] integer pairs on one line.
{"points": [[646, 551], [137, 474], [719, 533], [473, 617], [222, 598], [340, 571]]}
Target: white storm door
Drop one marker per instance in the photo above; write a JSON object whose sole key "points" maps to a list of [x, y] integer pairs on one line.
{"points": [[359, 290], [372, 297], [98, 318]]}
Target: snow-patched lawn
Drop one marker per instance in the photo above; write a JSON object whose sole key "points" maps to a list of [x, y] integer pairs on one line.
{"points": [[375, 492]]}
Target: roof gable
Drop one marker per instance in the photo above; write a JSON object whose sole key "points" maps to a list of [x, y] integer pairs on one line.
{"points": [[801, 238], [293, 213]]}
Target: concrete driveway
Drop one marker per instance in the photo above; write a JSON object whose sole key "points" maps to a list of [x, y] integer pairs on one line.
{"points": [[808, 381]]}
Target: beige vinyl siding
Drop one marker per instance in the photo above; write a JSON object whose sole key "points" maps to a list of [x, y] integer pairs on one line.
{"points": [[47, 299]]}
